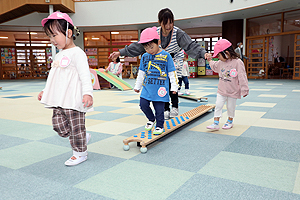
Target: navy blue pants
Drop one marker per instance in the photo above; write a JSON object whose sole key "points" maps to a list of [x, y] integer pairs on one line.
{"points": [[159, 111], [185, 80]]}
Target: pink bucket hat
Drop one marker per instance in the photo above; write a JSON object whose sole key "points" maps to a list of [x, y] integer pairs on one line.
{"points": [[221, 45], [148, 35], [58, 15]]}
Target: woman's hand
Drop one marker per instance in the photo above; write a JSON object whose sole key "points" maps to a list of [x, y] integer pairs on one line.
{"points": [[114, 55]]}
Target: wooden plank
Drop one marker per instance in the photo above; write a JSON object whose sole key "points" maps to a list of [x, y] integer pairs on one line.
{"points": [[145, 138], [190, 97]]}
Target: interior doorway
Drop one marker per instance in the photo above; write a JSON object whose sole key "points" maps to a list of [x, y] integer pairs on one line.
{"points": [[274, 57]]}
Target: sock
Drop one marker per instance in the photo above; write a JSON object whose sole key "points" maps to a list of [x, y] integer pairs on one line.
{"points": [[216, 122], [230, 121]]}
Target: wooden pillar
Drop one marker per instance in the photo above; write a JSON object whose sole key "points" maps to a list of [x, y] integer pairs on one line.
{"points": [[232, 30]]}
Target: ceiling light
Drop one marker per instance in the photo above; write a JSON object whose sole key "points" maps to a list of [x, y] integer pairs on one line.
{"points": [[3, 37], [95, 38], [32, 33], [115, 33], [133, 41]]}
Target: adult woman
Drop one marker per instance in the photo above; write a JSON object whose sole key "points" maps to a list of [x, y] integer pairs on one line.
{"points": [[173, 40]]}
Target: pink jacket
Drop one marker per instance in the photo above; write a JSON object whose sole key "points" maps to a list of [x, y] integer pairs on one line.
{"points": [[233, 80]]}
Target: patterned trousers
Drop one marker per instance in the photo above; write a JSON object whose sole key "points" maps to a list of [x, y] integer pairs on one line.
{"points": [[70, 123]]}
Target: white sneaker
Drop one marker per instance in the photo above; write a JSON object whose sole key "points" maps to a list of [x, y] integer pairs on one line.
{"points": [[158, 131], [149, 126], [167, 115], [187, 92], [227, 125], [77, 158], [213, 127], [174, 112], [180, 93], [88, 137]]}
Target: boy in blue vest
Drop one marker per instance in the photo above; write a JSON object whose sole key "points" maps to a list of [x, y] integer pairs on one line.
{"points": [[155, 71]]}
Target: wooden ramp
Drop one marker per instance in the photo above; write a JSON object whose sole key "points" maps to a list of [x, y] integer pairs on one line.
{"points": [[116, 81], [145, 138], [191, 97]]}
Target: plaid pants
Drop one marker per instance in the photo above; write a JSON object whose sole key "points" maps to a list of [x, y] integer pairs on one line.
{"points": [[70, 123]]}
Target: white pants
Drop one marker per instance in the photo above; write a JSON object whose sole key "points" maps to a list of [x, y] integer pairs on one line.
{"points": [[231, 103]]}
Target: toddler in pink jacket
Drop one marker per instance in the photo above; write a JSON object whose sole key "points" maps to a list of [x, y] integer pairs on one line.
{"points": [[233, 82]]}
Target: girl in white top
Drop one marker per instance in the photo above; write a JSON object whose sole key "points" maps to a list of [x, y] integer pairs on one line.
{"points": [[184, 77], [115, 67], [68, 90]]}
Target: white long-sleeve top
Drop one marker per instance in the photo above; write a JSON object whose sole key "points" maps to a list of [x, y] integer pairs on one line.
{"points": [[69, 79], [185, 69]]}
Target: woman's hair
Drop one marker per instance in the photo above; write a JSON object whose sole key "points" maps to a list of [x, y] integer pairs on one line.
{"points": [[148, 43], [61, 26], [231, 52], [165, 15], [118, 59]]}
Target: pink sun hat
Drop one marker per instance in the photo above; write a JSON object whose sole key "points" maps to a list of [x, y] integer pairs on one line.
{"points": [[58, 15], [148, 35], [221, 45]]}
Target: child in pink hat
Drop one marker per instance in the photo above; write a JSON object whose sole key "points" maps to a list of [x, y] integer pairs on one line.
{"points": [[155, 72], [233, 82], [68, 90]]}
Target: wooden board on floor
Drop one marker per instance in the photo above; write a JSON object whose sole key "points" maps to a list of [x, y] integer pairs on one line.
{"points": [[147, 137], [190, 97]]}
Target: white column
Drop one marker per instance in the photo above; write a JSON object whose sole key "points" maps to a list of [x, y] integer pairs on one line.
{"points": [[244, 35], [53, 48]]}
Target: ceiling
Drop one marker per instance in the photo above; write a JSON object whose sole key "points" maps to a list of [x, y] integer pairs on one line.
{"points": [[27, 9], [202, 25], [211, 25]]}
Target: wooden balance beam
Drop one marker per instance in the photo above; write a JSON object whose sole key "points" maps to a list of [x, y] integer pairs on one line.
{"points": [[145, 138], [198, 99]]}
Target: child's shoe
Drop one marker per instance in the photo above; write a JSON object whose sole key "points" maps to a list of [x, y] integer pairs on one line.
{"points": [[214, 126], [77, 158], [88, 137], [187, 92], [174, 112], [227, 125], [149, 126], [180, 93], [167, 115], [158, 131]]}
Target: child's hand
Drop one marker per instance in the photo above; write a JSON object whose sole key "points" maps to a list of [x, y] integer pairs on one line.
{"points": [[137, 91], [174, 92], [87, 100], [40, 95]]}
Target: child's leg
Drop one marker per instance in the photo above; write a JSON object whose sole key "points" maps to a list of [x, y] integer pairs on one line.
{"points": [[60, 122], [145, 107], [159, 113], [78, 132], [186, 82], [218, 111], [219, 106], [231, 104]]}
